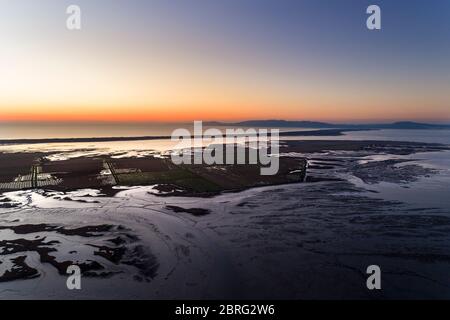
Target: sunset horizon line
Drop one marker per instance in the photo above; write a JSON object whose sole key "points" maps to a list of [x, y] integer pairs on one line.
{"points": [[225, 121]]}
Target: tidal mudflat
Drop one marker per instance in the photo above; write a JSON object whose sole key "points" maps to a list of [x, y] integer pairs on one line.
{"points": [[309, 236]]}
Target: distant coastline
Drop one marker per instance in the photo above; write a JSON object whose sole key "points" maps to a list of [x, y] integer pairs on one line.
{"points": [[324, 132], [317, 129]]}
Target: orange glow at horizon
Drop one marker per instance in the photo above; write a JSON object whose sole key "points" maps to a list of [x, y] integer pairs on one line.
{"points": [[326, 113]]}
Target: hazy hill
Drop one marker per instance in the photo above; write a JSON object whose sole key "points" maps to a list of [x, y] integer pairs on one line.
{"points": [[320, 125]]}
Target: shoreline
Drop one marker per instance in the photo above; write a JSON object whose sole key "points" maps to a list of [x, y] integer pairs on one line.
{"points": [[309, 133]]}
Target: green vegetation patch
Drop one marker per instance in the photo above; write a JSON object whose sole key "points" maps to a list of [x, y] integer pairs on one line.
{"points": [[180, 177]]}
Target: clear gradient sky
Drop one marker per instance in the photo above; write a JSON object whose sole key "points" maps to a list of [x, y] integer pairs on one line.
{"points": [[178, 60]]}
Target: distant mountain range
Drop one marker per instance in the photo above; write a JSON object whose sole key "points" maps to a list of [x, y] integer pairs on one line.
{"points": [[322, 125]]}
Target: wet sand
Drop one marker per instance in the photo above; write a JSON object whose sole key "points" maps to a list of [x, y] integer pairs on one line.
{"points": [[308, 239]]}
